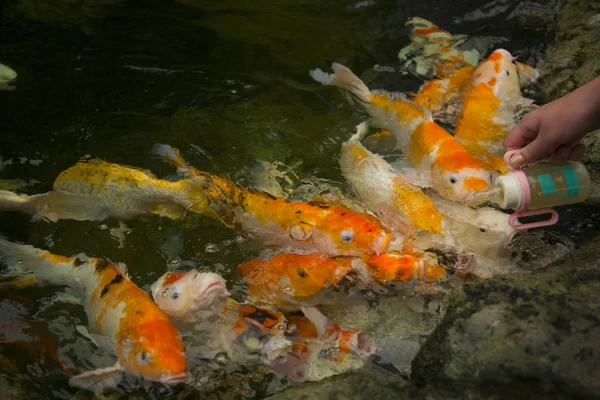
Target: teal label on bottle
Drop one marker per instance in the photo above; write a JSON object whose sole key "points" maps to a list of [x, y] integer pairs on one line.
{"points": [[547, 184], [572, 181]]}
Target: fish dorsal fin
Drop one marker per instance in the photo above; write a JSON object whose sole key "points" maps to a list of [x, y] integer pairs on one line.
{"points": [[99, 379]]}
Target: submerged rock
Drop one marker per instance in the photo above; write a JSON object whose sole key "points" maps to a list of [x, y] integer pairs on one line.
{"points": [[522, 335]]}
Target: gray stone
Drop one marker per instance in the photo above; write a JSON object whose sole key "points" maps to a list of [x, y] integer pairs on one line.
{"points": [[522, 334]]}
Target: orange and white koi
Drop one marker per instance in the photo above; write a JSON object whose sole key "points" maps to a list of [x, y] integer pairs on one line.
{"points": [[434, 52], [200, 298], [290, 280], [401, 206], [435, 154], [488, 111], [123, 318], [396, 267], [292, 344], [314, 225], [321, 348]]}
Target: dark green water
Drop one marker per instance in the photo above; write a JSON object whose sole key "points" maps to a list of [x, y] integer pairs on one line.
{"points": [[225, 82]]}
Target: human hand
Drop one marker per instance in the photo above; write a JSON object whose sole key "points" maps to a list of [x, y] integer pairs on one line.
{"points": [[554, 130]]}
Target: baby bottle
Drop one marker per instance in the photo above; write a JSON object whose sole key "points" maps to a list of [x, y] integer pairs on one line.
{"points": [[532, 190]]}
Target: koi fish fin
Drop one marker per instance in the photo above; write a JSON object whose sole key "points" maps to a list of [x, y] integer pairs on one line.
{"points": [[402, 169], [19, 258], [86, 334], [18, 281], [98, 380], [381, 142], [55, 205], [343, 78], [319, 320], [173, 157]]}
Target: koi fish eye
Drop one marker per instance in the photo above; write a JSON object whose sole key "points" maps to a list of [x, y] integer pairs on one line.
{"points": [[482, 229], [505, 72], [347, 236], [144, 356], [175, 296], [302, 273], [453, 178]]}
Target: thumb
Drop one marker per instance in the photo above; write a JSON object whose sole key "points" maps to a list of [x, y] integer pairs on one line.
{"points": [[534, 151]]}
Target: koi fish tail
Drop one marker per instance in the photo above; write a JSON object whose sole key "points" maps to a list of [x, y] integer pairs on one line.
{"points": [[344, 78], [362, 130], [173, 157], [55, 205], [20, 261]]}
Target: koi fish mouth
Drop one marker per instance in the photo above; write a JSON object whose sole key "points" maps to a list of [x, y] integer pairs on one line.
{"points": [[174, 379]]}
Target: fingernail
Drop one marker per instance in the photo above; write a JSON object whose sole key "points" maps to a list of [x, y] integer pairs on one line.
{"points": [[517, 160]]}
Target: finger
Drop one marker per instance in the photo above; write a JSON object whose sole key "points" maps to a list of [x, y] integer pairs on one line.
{"points": [[535, 151], [578, 152], [523, 133]]}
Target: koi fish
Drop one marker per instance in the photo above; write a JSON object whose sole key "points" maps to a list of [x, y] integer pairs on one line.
{"points": [[313, 225], [396, 267], [321, 348], [289, 280], [400, 205], [488, 111], [303, 339], [434, 51], [7, 77], [483, 232], [201, 299], [96, 190], [125, 321], [435, 154]]}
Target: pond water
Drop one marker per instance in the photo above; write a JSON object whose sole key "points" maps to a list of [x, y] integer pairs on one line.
{"points": [[226, 83]]}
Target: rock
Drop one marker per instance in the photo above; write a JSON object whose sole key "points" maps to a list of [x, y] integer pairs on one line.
{"points": [[522, 335], [573, 60]]}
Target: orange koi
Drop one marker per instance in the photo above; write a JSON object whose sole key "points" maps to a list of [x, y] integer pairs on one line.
{"points": [[314, 225], [289, 280], [395, 267], [97, 190], [489, 109], [123, 318], [437, 156]]}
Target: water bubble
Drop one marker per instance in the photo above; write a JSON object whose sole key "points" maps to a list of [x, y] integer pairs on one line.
{"points": [[174, 262], [222, 359], [103, 227], [211, 248]]}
